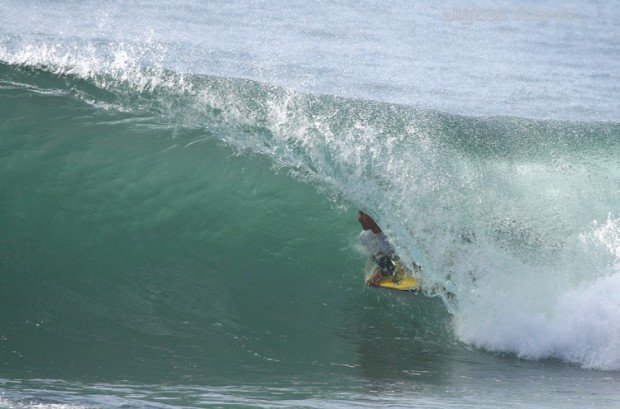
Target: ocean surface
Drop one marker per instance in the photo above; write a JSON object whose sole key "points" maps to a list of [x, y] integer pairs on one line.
{"points": [[180, 181]]}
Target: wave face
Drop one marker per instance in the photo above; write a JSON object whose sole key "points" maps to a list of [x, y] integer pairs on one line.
{"points": [[153, 222], [128, 252]]}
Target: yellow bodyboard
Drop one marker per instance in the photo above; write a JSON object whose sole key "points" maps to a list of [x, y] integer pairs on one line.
{"points": [[406, 284], [402, 280]]}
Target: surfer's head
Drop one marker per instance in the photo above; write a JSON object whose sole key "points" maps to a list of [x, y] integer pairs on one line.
{"points": [[367, 222]]}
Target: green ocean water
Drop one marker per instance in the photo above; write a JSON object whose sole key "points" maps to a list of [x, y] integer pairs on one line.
{"points": [[199, 248]]}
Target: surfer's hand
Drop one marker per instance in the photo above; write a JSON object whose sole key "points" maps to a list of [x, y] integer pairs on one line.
{"points": [[375, 279]]}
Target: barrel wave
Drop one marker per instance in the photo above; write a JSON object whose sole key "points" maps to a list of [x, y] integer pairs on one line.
{"points": [[211, 221], [163, 224]]}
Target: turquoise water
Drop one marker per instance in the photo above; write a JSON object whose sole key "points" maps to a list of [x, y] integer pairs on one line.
{"points": [[180, 184]]}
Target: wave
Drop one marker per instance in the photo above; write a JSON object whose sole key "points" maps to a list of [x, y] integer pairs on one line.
{"points": [[517, 217]]}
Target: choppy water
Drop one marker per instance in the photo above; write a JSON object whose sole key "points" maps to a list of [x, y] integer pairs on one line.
{"points": [[179, 188]]}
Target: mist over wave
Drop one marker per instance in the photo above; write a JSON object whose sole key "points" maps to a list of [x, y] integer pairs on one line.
{"points": [[556, 60]]}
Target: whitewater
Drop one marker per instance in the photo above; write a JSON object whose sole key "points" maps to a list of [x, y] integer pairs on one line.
{"points": [[180, 183]]}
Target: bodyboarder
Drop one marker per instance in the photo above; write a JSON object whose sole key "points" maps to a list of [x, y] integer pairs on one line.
{"points": [[380, 249]]}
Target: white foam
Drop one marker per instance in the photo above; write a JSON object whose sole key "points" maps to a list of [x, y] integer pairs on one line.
{"points": [[582, 327]]}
